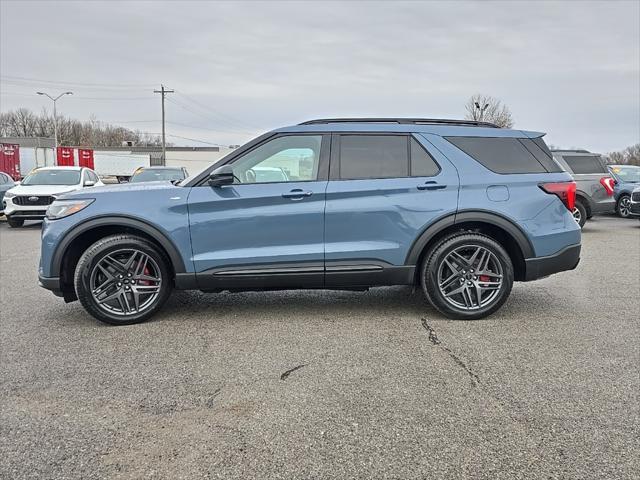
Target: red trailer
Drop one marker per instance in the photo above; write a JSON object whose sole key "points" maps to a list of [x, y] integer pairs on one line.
{"points": [[10, 160]]}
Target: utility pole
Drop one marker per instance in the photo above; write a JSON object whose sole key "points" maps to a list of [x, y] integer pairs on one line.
{"points": [[55, 114], [163, 91]]}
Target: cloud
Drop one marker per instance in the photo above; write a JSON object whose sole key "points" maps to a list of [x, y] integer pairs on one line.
{"points": [[568, 68]]}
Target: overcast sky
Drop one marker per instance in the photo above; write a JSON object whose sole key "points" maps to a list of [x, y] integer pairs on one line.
{"points": [[570, 69]]}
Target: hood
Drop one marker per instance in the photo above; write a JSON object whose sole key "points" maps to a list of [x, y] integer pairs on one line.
{"points": [[124, 188], [42, 189]]}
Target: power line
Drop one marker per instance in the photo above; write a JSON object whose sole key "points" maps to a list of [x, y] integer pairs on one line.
{"points": [[37, 80], [215, 112], [208, 117]]}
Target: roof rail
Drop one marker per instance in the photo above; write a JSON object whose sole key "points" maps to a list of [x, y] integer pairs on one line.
{"points": [[413, 121], [568, 150]]}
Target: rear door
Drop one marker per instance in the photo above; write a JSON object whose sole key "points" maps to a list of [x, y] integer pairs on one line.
{"points": [[265, 230], [383, 191]]}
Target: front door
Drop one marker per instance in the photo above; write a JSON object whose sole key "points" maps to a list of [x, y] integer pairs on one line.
{"points": [[266, 229]]}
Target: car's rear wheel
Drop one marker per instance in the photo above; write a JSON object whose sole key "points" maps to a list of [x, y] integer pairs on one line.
{"points": [[623, 206], [579, 213], [122, 279], [467, 276], [15, 222]]}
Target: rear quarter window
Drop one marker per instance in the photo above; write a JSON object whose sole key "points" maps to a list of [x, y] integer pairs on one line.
{"points": [[585, 164], [507, 155]]}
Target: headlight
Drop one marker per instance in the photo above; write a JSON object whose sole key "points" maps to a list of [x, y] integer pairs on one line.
{"points": [[64, 208], [9, 194]]}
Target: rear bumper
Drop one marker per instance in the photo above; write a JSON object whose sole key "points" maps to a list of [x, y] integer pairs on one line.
{"points": [[566, 259]]}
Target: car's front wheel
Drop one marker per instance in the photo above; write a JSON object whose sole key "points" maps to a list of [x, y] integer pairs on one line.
{"points": [[624, 206], [122, 279], [15, 222], [467, 276]]}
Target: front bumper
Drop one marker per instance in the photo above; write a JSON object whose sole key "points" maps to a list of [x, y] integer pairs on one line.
{"points": [[634, 209], [36, 212], [566, 259], [52, 284]]}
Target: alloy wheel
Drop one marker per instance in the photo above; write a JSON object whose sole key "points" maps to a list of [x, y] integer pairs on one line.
{"points": [[624, 207], [470, 277], [126, 282], [577, 216]]}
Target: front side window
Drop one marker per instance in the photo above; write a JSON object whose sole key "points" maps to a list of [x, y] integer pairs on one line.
{"points": [[291, 158], [373, 156], [53, 177]]}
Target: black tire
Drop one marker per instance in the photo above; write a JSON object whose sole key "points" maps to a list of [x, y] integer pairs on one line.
{"points": [[113, 246], [580, 213], [435, 261], [623, 206], [15, 222]]}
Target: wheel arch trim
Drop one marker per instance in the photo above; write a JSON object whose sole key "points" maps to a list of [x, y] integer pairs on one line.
{"points": [[116, 221], [462, 216]]}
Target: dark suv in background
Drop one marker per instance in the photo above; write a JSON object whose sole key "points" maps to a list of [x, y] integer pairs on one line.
{"points": [[627, 178], [594, 191]]}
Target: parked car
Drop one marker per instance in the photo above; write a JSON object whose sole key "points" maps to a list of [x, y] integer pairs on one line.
{"points": [[594, 194], [155, 174], [462, 209], [627, 177], [38, 190], [6, 183], [634, 203]]}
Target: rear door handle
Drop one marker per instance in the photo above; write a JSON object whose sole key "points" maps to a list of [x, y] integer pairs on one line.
{"points": [[431, 186], [297, 194]]}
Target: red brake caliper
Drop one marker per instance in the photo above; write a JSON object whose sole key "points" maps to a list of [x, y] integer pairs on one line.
{"points": [[146, 272]]}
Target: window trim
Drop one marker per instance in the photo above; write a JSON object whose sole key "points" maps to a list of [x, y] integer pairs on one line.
{"points": [[335, 165]]}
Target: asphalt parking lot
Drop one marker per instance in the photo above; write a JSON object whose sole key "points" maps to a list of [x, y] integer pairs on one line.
{"points": [[318, 384]]}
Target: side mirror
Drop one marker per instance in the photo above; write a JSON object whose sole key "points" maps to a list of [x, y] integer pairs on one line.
{"points": [[221, 176], [89, 183]]}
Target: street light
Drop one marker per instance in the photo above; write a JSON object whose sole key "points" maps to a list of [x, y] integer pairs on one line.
{"points": [[55, 120]]}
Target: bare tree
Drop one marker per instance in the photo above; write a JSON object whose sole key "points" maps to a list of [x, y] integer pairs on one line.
{"points": [[24, 123], [628, 156], [485, 108]]}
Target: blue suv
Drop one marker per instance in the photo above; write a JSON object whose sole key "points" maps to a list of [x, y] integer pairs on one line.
{"points": [[461, 208]]}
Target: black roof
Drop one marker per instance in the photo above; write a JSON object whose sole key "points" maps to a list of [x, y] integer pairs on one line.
{"points": [[414, 121]]}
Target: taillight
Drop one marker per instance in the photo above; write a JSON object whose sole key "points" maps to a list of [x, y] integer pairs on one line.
{"points": [[566, 191], [607, 183]]}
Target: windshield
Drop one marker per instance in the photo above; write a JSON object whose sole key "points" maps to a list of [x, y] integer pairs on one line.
{"points": [[53, 177], [626, 174], [157, 175]]}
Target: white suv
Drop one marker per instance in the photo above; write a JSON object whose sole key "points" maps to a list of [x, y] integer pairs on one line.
{"points": [[30, 199]]}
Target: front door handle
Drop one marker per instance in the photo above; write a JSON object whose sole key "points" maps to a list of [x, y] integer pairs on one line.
{"points": [[431, 186], [297, 194]]}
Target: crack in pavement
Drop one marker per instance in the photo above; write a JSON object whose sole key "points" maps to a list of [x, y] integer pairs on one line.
{"points": [[290, 371], [433, 338]]}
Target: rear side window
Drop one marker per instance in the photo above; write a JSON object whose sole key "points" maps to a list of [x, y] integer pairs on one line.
{"points": [[505, 155], [422, 164], [373, 156], [585, 163]]}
